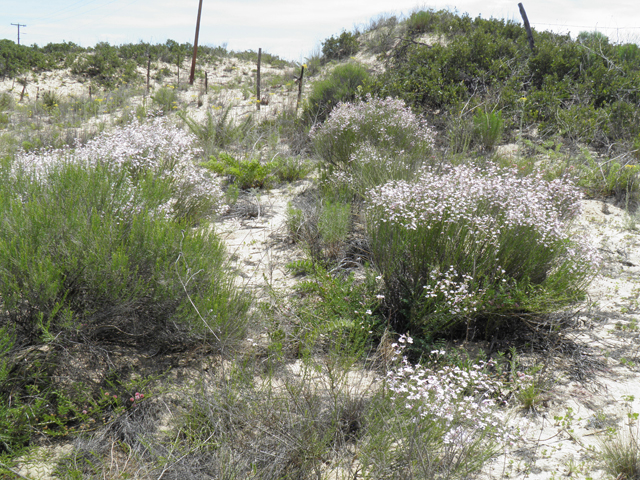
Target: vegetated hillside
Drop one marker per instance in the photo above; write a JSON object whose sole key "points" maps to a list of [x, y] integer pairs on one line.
{"points": [[180, 297]]}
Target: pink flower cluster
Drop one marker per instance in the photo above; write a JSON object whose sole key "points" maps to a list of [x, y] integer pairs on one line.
{"points": [[487, 202], [460, 401], [385, 123], [155, 147]]}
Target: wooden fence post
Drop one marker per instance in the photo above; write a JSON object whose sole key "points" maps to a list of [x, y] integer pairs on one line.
{"points": [[300, 88], [527, 27], [258, 80], [148, 73]]}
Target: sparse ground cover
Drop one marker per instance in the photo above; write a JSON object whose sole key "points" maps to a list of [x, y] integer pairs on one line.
{"points": [[191, 287]]}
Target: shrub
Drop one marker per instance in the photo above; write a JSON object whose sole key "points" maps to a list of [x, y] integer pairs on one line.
{"points": [[467, 245], [290, 169], [369, 142], [340, 86], [446, 415], [98, 245], [155, 149], [488, 128], [620, 453], [333, 226], [339, 47], [167, 99], [245, 174], [611, 178]]}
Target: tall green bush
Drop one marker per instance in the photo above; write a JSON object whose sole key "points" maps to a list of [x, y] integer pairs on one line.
{"points": [[340, 86]]}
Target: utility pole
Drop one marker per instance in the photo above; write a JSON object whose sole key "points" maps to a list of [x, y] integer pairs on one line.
{"points": [[18, 25], [195, 46]]}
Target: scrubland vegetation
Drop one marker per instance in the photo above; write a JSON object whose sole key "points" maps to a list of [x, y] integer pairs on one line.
{"points": [[444, 187]]}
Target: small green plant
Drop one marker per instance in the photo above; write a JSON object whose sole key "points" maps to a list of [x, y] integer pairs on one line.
{"points": [[290, 169], [619, 453], [295, 222], [245, 174], [334, 225], [488, 128], [50, 99], [167, 99]]}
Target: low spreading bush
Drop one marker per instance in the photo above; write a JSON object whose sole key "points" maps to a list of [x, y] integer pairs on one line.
{"points": [[97, 243], [244, 174], [369, 142], [446, 414], [466, 245]]}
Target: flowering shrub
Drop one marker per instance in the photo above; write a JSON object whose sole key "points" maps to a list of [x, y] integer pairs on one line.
{"points": [[468, 244], [96, 242], [386, 124], [370, 142], [448, 415], [154, 149]]}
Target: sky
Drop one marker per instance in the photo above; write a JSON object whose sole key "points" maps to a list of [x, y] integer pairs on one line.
{"points": [[291, 29]]}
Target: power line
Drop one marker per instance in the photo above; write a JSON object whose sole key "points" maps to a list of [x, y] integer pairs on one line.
{"points": [[18, 25], [583, 26]]}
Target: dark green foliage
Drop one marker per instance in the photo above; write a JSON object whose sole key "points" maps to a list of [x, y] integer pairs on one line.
{"points": [[105, 66], [488, 128], [478, 61], [340, 86], [336, 48]]}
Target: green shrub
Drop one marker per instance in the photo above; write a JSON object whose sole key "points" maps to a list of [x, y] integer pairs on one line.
{"points": [[167, 99], [290, 169], [340, 86], [466, 245], [245, 174], [611, 178], [98, 245], [218, 130], [336, 48], [334, 226], [619, 452], [488, 128], [50, 99], [6, 102], [369, 142], [421, 22]]}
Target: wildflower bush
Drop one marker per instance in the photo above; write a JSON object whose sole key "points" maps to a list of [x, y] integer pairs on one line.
{"points": [[96, 243], [341, 85], [446, 414], [368, 142], [156, 150], [468, 244]]}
